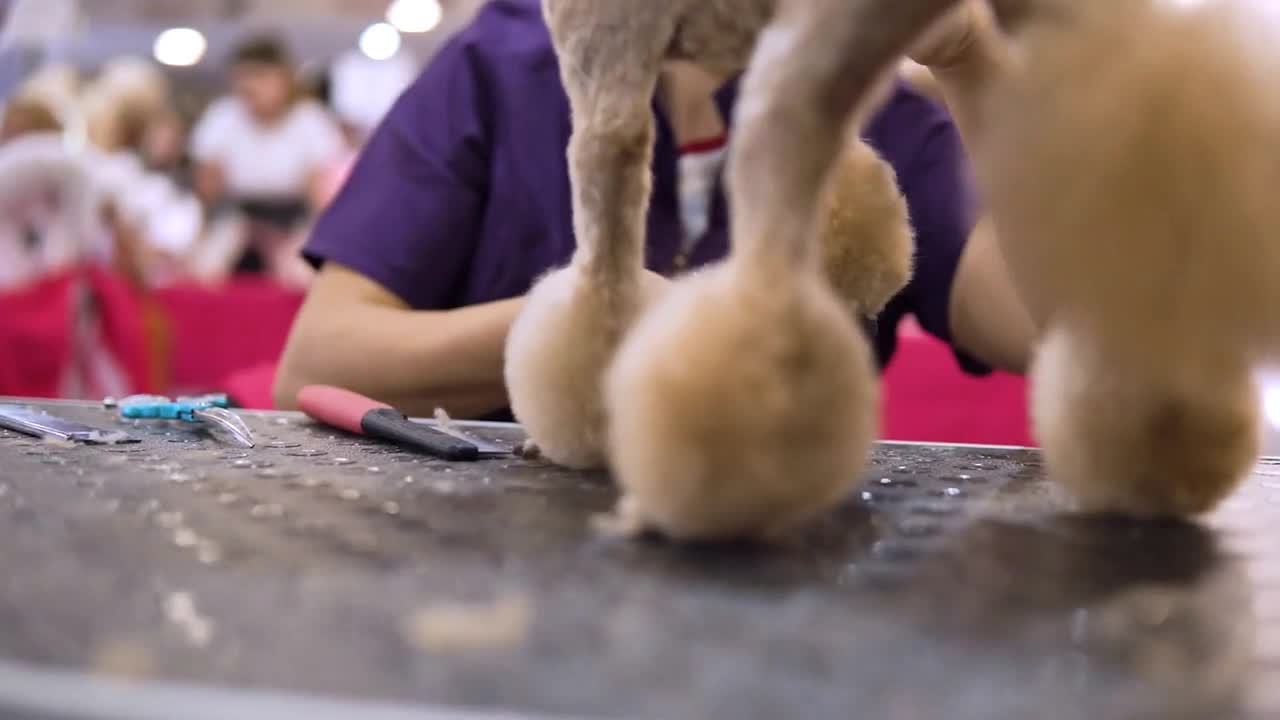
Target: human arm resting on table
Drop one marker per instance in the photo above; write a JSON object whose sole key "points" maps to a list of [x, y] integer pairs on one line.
{"points": [[354, 333], [959, 290], [383, 318], [988, 320]]}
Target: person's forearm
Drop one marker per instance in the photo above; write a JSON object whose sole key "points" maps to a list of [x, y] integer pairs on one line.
{"points": [[988, 319], [416, 360]]}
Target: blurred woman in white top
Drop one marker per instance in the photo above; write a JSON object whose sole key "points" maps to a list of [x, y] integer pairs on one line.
{"points": [[263, 149]]}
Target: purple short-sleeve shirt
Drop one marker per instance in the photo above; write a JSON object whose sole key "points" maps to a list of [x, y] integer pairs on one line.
{"points": [[462, 194]]}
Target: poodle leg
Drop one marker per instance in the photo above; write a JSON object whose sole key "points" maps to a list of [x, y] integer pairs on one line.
{"points": [[743, 403], [813, 66], [574, 318], [865, 231], [1128, 432], [610, 56], [625, 522]]}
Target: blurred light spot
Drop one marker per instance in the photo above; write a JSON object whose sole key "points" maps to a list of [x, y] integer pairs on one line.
{"points": [[380, 41], [1271, 405], [415, 16], [180, 47]]}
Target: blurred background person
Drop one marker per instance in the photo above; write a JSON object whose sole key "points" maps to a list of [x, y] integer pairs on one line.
{"points": [[263, 151], [127, 94], [155, 220], [106, 250], [48, 207], [25, 116], [360, 91]]}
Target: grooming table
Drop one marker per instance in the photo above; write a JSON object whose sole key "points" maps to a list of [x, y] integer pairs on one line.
{"points": [[324, 575]]}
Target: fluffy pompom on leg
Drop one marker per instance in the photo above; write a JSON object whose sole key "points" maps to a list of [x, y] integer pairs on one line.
{"points": [[865, 230], [740, 410], [1124, 435]]}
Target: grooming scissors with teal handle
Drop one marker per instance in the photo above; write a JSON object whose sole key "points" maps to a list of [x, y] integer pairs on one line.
{"points": [[209, 410]]}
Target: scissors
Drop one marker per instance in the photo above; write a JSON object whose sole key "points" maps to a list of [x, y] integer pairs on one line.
{"points": [[208, 410]]}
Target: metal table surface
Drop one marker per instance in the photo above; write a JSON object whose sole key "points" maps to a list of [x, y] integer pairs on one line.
{"points": [[325, 575]]}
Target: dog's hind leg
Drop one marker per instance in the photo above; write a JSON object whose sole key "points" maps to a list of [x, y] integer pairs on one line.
{"points": [[610, 53]]}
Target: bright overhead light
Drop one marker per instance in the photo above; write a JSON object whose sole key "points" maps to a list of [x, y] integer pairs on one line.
{"points": [[380, 41], [1271, 406], [415, 16], [180, 47]]}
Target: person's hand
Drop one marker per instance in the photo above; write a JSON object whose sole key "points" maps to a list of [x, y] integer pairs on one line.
{"points": [[952, 38], [285, 261]]}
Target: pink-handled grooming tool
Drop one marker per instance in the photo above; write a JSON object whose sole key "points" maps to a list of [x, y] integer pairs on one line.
{"points": [[356, 413]]}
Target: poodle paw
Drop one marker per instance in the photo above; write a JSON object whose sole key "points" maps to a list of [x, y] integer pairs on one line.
{"points": [[624, 523], [528, 450]]}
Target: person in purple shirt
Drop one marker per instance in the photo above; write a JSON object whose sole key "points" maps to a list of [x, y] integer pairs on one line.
{"points": [[460, 201]]}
